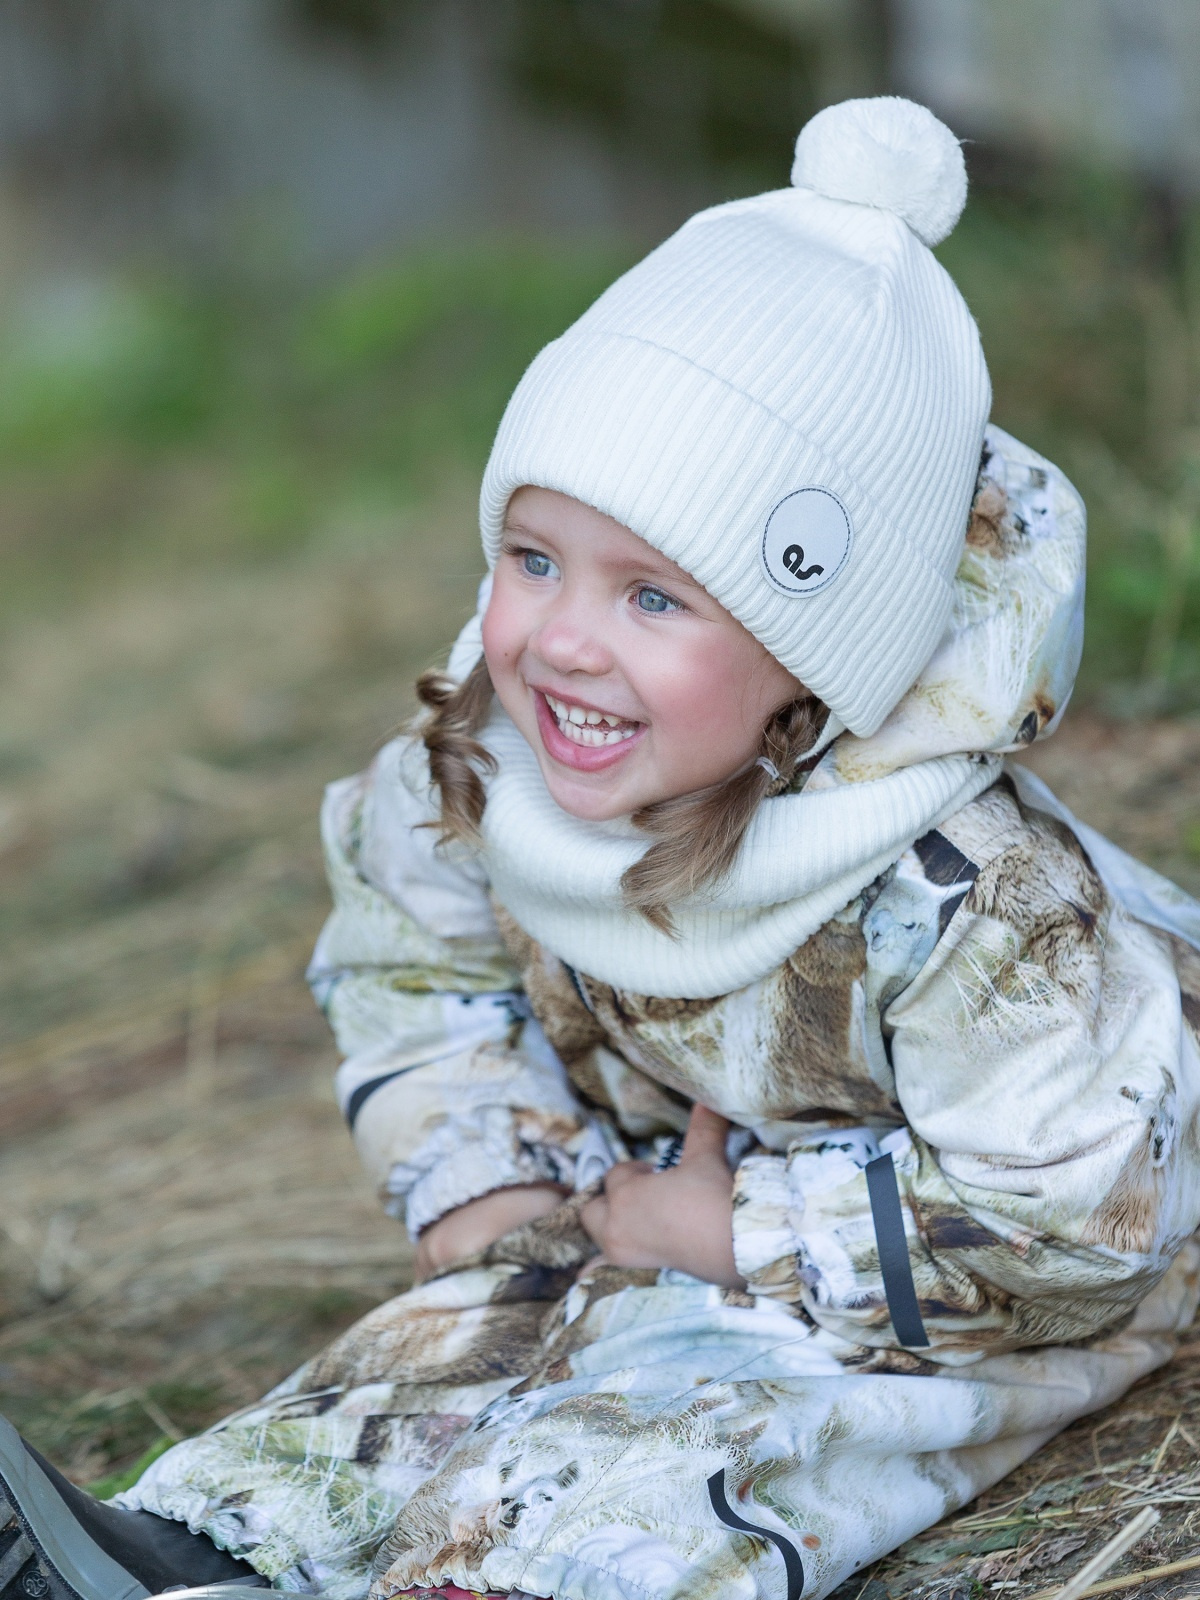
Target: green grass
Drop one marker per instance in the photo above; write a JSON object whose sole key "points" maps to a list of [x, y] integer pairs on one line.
{"points": [[171, 425], [168, 424], [106, 1403], [115, 1482]]}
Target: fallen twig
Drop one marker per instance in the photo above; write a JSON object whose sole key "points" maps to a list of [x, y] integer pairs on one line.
{"points": [[1130, 1581], [1161, 1455], [1108, 1556]]}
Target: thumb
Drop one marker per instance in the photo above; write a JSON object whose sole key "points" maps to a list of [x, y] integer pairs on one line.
{"points": [[705, 1137]]}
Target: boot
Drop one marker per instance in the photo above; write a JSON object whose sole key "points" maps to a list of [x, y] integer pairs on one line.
{"points": [[58, 1543]]}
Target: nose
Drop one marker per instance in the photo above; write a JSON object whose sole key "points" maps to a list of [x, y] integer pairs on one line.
{"points": [[570, 639]]}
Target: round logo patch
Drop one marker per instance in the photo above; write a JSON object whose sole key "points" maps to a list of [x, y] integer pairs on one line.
{"points": [[806, 541]]}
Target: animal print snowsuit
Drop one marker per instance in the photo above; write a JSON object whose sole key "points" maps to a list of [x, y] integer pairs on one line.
{"points": [[985, 1059]]}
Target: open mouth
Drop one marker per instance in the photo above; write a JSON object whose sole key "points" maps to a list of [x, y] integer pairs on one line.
{"points": [[592, 730]]}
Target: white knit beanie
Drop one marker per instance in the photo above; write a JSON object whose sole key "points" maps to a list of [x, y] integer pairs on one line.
{"points": [[787, 398]]}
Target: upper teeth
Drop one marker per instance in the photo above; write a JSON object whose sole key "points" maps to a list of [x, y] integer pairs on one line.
{"points": [[608, 729], [577, 714]]}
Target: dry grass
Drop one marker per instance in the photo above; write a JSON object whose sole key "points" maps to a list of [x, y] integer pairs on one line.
{"points": [[182, 1215], [1138, 782], [183, 1218]]}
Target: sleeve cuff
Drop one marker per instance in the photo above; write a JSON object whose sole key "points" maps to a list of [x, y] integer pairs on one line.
{"points": [[460, 1163]]}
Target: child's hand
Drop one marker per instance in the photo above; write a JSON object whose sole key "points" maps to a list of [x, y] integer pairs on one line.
{"points": [[682, 1218], [471, 1228]]}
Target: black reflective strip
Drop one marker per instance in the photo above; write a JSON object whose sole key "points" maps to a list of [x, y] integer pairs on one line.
{"points": [[364, 1092], [892, 1244], [585, 998], [791, 1556]]}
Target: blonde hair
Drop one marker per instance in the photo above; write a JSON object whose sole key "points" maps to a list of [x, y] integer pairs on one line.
{"points": [[695, 836]]}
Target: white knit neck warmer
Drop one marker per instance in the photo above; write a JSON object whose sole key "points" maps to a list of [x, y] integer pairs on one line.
{"points": [[803, 858], [1000, 678]]}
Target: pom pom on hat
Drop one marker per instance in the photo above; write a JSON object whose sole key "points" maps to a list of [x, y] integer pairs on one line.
{"points": [[888, 153], [777, 344]]}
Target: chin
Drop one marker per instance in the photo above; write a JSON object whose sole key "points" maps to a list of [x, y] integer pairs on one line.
{"points": [[589, 805]]}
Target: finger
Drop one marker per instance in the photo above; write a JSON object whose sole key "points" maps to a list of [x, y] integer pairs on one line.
{"points": [[624, 1172], [705, 1137]]}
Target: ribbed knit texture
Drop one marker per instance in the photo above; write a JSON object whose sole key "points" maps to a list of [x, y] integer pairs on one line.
{"points": [[772, 344], [804, 857]]}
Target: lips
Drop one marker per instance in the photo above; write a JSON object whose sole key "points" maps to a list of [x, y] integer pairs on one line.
{"points": [[583, 738]]}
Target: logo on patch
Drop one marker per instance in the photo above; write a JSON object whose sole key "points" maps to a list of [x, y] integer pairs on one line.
{"points": [[806, 541]]}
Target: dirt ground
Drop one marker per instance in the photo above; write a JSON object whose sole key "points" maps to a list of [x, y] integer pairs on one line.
{"points": [[181, 1216]]}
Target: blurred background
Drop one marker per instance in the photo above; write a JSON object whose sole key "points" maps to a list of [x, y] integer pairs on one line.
{"points": [[268, 270]]}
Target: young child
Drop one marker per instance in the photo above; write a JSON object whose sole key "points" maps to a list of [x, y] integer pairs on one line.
{"points": [[794, 1108]]}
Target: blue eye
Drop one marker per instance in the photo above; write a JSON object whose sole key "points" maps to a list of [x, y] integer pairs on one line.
{"points": [[656, 602], [536, 564]]}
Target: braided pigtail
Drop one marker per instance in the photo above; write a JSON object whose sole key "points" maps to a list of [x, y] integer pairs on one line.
{"points": [[696, 836], [456, 757]]}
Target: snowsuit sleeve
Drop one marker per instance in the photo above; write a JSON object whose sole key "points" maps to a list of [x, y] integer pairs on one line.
{"points": [[449, 1085], [1047, 1166]]}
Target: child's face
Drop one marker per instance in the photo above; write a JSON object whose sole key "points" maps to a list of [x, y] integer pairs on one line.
{"points": [[588, 621]]}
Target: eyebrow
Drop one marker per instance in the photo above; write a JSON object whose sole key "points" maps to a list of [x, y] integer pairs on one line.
{"points": [[523, 528], [669, 576]]}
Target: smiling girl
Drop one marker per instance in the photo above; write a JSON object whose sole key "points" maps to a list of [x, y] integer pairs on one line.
{"points": [[625, 677], [640, 697], [794, 1108]]}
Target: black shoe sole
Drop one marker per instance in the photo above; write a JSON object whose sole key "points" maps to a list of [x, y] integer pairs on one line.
{"points": [[64, 1549]]}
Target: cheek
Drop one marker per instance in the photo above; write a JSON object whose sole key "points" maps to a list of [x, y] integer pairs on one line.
{"points": [[504, 631], [702, 697]]}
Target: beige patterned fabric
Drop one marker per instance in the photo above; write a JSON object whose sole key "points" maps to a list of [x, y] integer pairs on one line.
{"points": [[1025, 1050], [988, 1011]]}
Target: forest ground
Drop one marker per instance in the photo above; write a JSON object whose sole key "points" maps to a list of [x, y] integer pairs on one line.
{"points": [[182, 1218]]}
